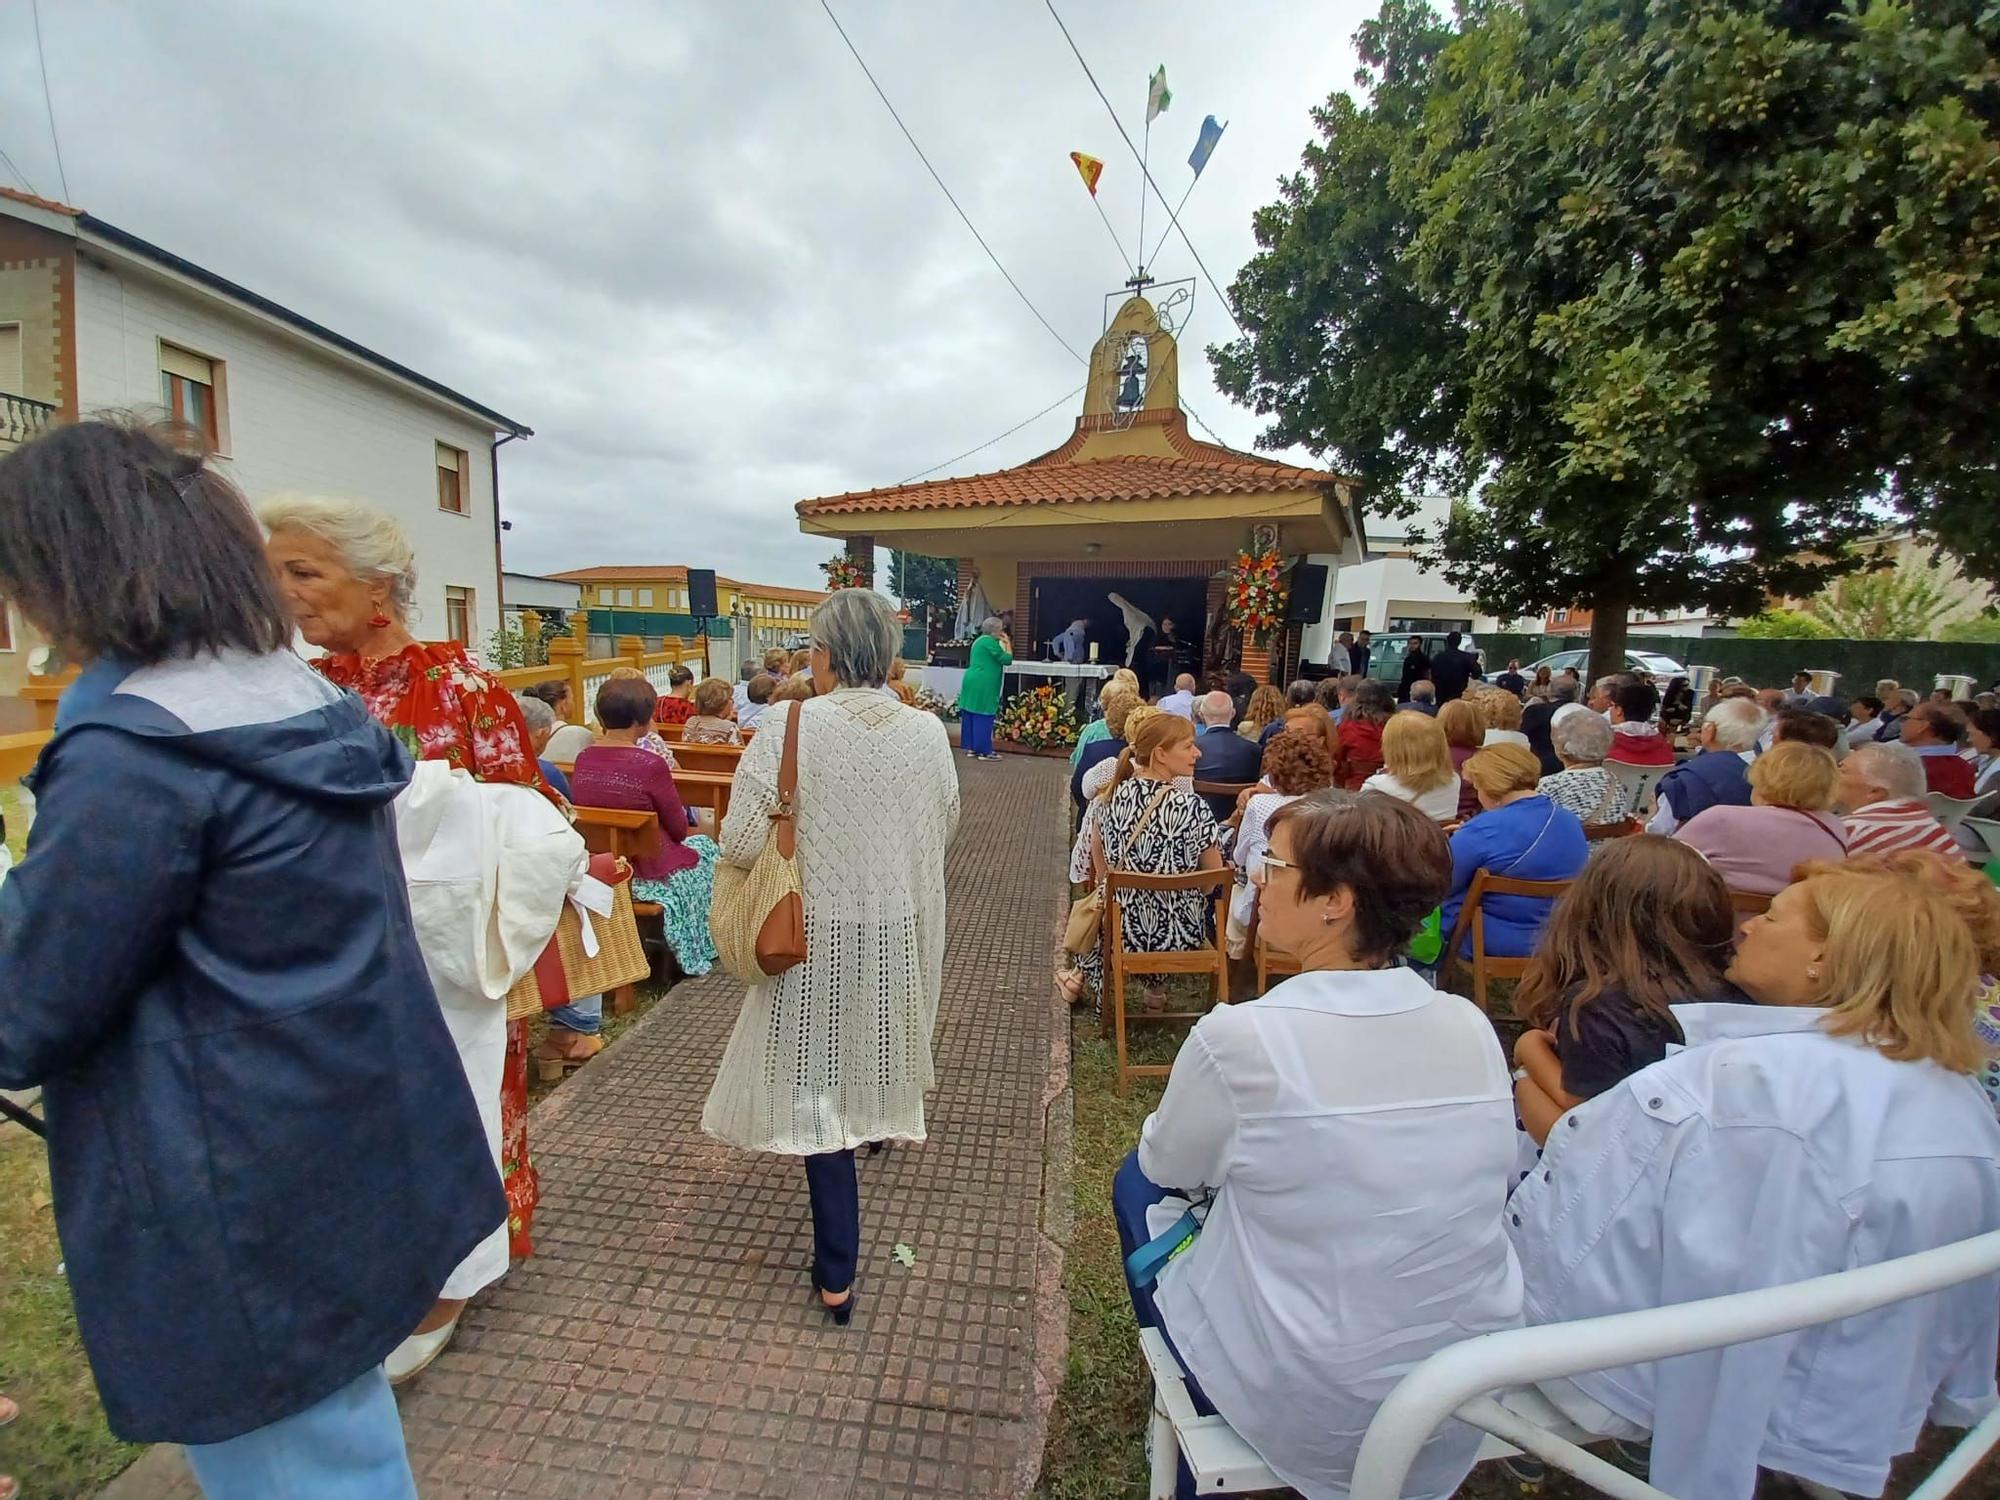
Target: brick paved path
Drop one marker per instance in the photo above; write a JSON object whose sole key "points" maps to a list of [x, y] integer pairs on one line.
{"points": [[663, 1339]]}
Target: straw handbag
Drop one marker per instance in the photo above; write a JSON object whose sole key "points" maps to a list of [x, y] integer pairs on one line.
{"points": [[567, 969], [757, 916]]}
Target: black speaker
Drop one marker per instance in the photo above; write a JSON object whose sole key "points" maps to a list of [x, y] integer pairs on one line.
{"points": [[1308, 597], [701, 593]]}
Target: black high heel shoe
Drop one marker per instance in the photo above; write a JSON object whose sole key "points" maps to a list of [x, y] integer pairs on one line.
{"points": [[840, 1314]]}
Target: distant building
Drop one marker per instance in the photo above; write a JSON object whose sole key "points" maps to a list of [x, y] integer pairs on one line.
{"points": [[93, 318], [652, 602], [551, 598], [1641, 622]]}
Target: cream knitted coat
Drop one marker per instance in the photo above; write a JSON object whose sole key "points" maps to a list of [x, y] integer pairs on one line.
{"points": [[837, 1051]]}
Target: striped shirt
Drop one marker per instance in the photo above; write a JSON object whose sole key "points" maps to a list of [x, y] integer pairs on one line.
{"points": [[1898, 824]]}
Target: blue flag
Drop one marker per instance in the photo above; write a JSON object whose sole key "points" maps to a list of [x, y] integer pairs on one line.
{"points": [[1210, 134]]}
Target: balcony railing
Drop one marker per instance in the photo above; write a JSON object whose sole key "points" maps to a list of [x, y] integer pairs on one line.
{"points": [[22, 418]]}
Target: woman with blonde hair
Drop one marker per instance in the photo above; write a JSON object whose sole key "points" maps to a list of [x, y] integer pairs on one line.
{"points": [[1118, 701], [1099, 729], [1148, 825], [1416, 766], [714, 719], [1097, 779], [1825, 1128], [1501, 712], [1520, 833], [1266, 707], [1789, 821], [1464, 729]]}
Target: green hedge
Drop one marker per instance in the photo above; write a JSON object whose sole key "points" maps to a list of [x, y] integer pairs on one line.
{"points": [[1771, 663]]}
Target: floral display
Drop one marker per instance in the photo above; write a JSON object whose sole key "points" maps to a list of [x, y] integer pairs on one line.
{"points": [[1255, 595], [843, 572], [936, 703], [1040, 718]]}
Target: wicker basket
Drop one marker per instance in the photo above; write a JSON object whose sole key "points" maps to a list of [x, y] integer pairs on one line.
{"points": [[566, 970]]}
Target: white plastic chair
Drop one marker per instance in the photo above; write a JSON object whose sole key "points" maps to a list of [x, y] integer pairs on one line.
{"points": [[1982, 838], [1489, 1383], [1951, 811], [1638, 782]]}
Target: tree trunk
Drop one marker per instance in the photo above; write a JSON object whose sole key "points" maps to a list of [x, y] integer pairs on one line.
{"points": [[1608, 635]]}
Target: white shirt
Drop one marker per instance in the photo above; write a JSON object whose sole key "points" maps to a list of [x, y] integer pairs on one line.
{"points": [[1764, 1153], [1359, 1131], [1179, 703], [741, 693], [1862, 734], [1505, 737], [1440, 803], [1253, 841]]}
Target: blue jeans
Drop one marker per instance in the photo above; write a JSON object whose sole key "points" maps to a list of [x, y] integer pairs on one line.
{"points": [[348, 1446], [585, 1016], [976, 733], [836, 1210], [1132, 1193]]}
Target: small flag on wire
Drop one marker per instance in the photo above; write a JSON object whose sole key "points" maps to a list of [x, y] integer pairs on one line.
{"points": [[1158, 95], [1203, 148], [1089, 168]]}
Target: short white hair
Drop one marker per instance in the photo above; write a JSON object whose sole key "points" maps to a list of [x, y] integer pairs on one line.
{"points": [[1215, 709], [536, 712], [1737, 723], [369, 542], [1581, 736], [858, 632], [1423, 692], [1897, 769]]}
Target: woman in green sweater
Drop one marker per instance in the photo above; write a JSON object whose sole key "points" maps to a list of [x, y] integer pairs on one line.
{"points": [[979, 693]]}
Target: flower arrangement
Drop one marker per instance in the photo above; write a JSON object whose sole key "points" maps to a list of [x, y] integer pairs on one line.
{"points": [[843, 572], [1039, 718], [934, 703], [1255, 595]]}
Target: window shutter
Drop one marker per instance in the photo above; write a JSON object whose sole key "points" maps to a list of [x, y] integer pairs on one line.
{"points": [[447, 458], [188, 366]]}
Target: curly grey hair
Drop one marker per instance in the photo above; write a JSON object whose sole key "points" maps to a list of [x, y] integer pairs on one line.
{"points": [[857, 630], [1584, 738]]}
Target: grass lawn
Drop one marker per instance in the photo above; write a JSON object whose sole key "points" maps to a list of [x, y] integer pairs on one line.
{"points": [[1096, 1447]]}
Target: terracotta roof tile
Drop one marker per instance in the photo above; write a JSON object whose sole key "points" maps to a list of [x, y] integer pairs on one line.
{"points": [[50, 204], [1056, 478]]}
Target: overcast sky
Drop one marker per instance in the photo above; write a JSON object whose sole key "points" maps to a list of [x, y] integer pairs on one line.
{"points": [[684, 243]]}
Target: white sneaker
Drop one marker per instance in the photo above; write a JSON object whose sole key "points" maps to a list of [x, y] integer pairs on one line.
{"points": [[409, 1358]]}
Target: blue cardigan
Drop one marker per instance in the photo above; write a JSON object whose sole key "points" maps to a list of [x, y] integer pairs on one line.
{"points": [[1714, 778], [265, 1156], [1532, 839]]}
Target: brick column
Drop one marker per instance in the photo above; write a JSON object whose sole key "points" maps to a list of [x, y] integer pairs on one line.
{"points": [[1256, 662], [861, 549]]}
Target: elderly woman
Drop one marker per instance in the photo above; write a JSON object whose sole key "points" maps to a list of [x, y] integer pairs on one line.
{"points": [[1581, 741], [1266, 706], [1099, 777], [1097, 729], [1301, 1117], [979, 692], [568, 739], [1501, 711], [1520, 833], [714, 719], [541, 722], [1148, 825], [349, 577], [836, 1053], [1789, 821], [258, 1198], [1119, 701], [1294, 766], [1358, 738], [619, 771], [1829, 1126], [1464, 727], [1416, 767]]}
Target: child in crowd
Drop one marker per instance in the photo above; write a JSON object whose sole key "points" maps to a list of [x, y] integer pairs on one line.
{"points": [[714, 719], [1646, 926]]}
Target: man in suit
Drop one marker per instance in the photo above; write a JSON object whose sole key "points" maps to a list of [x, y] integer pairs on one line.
{"points": [[1221, 754], [1452, 668]]}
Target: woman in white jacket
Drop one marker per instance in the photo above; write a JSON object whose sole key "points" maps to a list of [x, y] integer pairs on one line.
{"points": [[836, 1053], [1356, 1130]]}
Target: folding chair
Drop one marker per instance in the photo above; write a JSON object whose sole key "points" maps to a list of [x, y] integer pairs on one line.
{"points": [[1592, 832], [1951, 811], [1273, 962], [1638, 782], [1211, 959], [1485, 969], [629, 834]]}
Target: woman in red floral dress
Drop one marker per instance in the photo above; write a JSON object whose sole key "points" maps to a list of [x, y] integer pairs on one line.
{"points": [[348, 573]]}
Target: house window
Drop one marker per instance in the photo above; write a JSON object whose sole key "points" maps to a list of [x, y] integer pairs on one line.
{"points": [[10, 359], [625, 598], [458, 615], [645, 598], [187, 391], [604, 596], [1562, 617], [451, 479]]}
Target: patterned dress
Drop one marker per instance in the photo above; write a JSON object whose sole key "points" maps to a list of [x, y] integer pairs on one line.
{"points": [[443, 707], [1172, 843]]}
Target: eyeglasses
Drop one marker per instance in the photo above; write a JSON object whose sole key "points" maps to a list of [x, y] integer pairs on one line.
{"points": [[1272, 862]]}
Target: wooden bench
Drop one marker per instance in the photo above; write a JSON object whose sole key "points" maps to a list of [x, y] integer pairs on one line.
{"points": [[708, 789], [708, 757]]}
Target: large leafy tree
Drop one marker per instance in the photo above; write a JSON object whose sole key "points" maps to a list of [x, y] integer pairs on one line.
{"points": [[1675, 300], [918, 580]]}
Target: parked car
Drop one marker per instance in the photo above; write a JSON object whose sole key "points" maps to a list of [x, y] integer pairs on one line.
{"points": [[1385, 653], [1663, 668]]}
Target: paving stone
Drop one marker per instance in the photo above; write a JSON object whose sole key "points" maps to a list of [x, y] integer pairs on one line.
{"points": [[664, 1340]]}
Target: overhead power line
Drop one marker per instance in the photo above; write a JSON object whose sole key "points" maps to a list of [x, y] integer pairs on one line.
{"points": [[19, 175], [49, 103], [1145, 171], [1066, 396], [945, 190]]}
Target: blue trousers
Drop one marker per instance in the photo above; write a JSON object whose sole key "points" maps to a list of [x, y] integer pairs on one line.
{"points": [[1132, 1193], [348, 1446], [836, 1209], [975, 733], [584, 1016]]}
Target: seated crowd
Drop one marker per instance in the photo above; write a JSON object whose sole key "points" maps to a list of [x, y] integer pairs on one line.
{"points": [[1752, 1039]]}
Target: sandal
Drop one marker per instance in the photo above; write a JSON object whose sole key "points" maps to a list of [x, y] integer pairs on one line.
{"points": [[560, 1052], [1069, 986]]}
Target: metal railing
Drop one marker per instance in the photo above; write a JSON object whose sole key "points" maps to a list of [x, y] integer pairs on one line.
{"points": [[22, 418]]}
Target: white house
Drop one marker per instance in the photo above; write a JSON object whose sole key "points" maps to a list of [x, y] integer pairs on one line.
{"points": [[93, 318], [548, 597]]}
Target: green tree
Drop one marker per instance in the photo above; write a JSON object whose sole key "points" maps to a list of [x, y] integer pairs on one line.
{"points": [[1889, 604], [1784, 625], [921, 581], [1684, 292], [1982, 629]]}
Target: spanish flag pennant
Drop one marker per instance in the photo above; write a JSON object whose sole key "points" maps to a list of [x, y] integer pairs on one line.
{"points": [[1089, 168]]}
